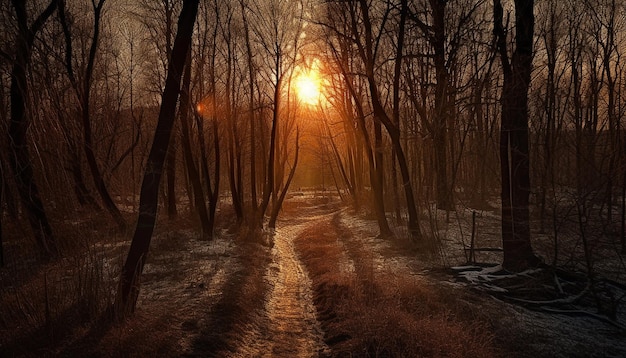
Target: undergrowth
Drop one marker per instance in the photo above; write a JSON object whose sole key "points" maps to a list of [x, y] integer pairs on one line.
{"points": [[369, 314], [44, 304], [59, 307]]}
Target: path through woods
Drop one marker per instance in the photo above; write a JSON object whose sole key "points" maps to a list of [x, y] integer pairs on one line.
{"points": [[288, 325], [235, 297]]}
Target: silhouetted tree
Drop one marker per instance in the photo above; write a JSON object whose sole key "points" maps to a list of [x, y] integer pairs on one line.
{"points": [[283, 193], [340, 18], [367, 50], [193, 174], [129, 284], [83, 92], [514, 155], [251, 110], [20, 121], [277, 28]]}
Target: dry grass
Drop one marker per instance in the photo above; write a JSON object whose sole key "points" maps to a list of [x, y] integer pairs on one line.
{"points": [[44, 304], [59, 308], [367, 314]]}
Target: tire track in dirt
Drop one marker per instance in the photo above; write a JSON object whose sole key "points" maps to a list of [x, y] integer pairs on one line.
{"points": [[289, 326]]}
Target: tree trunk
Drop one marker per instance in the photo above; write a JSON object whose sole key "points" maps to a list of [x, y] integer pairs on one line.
{"points": [[393, 130], [269, 180], [83, 95], [379, 171], [234, 153], [397, 73], [442, 106], [514, 156], [20, 121], [170, 166], [214, 193], [281, 198], [233, 172], [378, 207], [339, 162], [251, 117], [352, 104], [550, 111], [211, 190], [128, 289], [192, 171], [2, 185]]}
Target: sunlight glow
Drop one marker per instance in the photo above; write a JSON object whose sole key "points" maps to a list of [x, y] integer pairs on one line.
{"points": [[308, 86]]}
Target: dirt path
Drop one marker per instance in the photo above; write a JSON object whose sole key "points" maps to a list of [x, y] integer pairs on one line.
{"points": [[289, 326]]}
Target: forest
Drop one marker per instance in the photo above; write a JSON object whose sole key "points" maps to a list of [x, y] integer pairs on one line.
{"points": [[313, 178]]}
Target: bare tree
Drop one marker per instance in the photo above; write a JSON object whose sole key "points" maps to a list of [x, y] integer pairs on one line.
{"points": [[20, 121], [193, 174], [83, 92], [129, 284], [367, 41], [234, 153], [200, 84], [281, 198], [549, 38], [514, 156], [278, 27], [339, 23], [251, 110]]}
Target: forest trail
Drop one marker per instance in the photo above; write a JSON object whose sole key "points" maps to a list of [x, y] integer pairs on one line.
{"points": [[289, 325]]}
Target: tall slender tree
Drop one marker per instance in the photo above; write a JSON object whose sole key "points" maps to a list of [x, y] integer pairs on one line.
{"points": [[340, 21], [83, 92], [251, 109], [368, 49], [20, 121], [128, 289], [278, 29], [514, 152], [193, 174]]}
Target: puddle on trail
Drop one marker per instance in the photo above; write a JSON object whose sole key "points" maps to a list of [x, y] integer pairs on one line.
{"points": [[290, 327]]}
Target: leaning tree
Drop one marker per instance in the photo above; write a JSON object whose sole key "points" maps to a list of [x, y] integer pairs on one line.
{"points": [[128, 289]]}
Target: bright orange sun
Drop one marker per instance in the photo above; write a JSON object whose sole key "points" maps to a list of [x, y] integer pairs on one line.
{"points": [[308, 85]]}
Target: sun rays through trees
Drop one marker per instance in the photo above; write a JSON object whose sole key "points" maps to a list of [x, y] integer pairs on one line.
{"points": [[433, 119]]}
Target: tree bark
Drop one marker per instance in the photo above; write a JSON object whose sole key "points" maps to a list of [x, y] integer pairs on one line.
{"points": [[128, 289], [192, 170], [83, 94], [367, 54], [251, 117], [2, 186], [514, 154], [269, 180], [20, 158], [281, 198], [170, 167]]}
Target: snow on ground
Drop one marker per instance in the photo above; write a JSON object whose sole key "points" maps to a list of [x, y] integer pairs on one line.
{"points": [[529, 331], [288, 325], [185, 275], [366, 233]]}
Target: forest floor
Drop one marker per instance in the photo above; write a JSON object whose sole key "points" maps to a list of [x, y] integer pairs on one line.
{"points": [[321, 285]]}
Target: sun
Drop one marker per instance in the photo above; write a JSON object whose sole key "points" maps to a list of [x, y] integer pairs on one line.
{"points": [[308, 89], [308, 86]]}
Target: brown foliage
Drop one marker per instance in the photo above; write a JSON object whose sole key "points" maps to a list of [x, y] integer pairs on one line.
{"points": [[370, 314]]}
